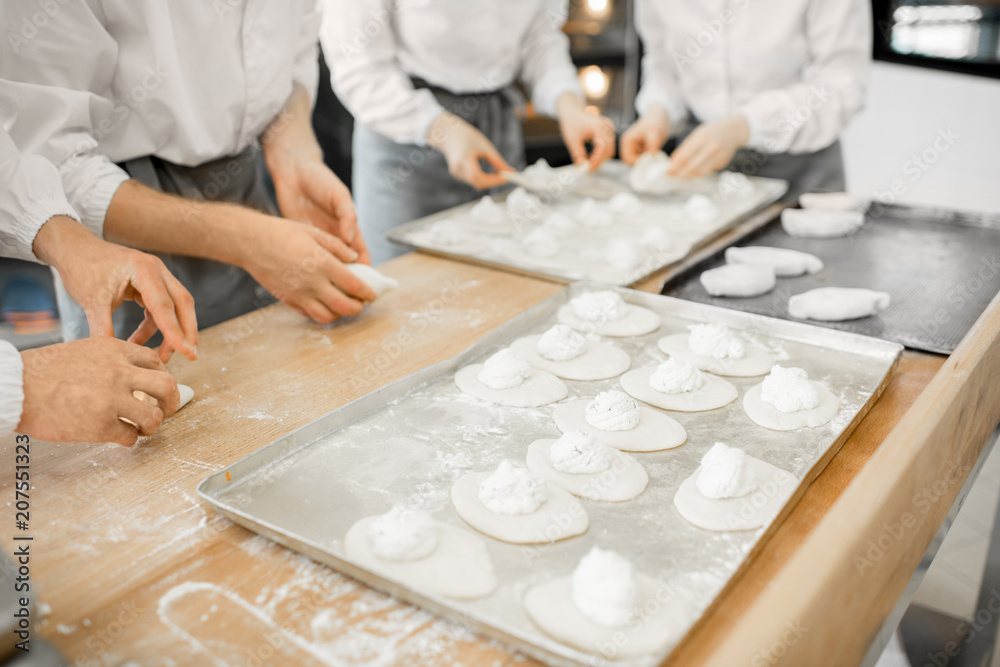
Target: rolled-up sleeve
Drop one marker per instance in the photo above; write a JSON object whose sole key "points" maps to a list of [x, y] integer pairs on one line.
{"points": [[30, 195], [11, 388], [365, 71], [56, 100], [547, 69], [811, 114], [660, 82]]}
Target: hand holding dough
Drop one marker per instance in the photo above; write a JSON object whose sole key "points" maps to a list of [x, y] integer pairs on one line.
{"points": [[784, 262], [739, 280], [820, 223], [835, 304], [379, 282]]}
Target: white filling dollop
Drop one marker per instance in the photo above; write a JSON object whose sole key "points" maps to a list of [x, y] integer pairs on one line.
{"points": [[577, 453], [623, 254], [487, 212], [561, 343], [403, 534], [592, 214], [734, 183], [625, 203], [657, 238], [725, 473], [541, 244], [512, 490], [676, 377], [716, 341], [612, 411], [701, 209], [504, 370], [559, 224], [522, 203], [603, 306], [604, 588], [447, 233], [789, 390]]}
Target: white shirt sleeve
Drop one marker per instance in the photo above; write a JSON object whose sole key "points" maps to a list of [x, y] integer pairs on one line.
{"points": [[49, 101], [660, 84], [11, 388], [360, 48], [546, 66], [30, 195], [305, 68], [811, 114]]}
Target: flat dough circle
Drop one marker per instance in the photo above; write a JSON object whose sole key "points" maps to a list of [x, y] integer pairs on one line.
{"points": [[768, 416], [655, 432], [638, 321], [756, 362], [599, 361], [561, 515], [754, 510], [715, 393], [539, 389], [550, 606], [459, 567], [624, 480]]}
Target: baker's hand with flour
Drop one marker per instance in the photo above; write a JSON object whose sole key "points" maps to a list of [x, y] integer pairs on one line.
{"points": [[464, 147], [100, 276], [647, 135], [81, 391], [305, 187], [580, 126], [710, 147]]}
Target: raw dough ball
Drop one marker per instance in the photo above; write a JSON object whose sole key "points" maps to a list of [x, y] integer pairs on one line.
{"points": [[712, 394], [783, 416], [622, 479], [379, 282], [459, 567], [559, 517], [515, 383], [701, 209], [838, 201], [625, 204], [649, 174], [784, 262], [820, 223], [739, 280], [592, 214], [724, 353], [187, 393], [774, 487], [550, 606], [597, 360], [606, 313], [540, 244], [835, 304], [655, 431]]}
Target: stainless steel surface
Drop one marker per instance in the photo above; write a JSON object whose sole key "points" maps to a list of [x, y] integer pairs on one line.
{"points": [[942, 270], [409, 441], [578, 260]]}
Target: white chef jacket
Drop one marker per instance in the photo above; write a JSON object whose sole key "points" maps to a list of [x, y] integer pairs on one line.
{"points": [[94, 82], [463, 46], [11, 388], [796, 69]]}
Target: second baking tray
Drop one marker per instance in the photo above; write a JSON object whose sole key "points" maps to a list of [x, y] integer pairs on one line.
{"points": [[409, 441], [941, 268]]}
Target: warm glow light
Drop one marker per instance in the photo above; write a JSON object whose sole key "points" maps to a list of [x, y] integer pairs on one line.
{"points": [[595, 81], [597, 6]]}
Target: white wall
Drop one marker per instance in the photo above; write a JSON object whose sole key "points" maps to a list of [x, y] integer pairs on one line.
{"points": [[934, 135]]}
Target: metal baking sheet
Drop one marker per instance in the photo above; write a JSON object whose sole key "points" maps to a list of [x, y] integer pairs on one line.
{"points": [[583, 254], [942, 269], [410, 440]]}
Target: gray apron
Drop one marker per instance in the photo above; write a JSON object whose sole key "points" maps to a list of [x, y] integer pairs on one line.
{"points": [[397, 183], [221, 291]]}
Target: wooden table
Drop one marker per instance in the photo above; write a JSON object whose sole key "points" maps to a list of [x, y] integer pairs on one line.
{"points": [[134, 567]]}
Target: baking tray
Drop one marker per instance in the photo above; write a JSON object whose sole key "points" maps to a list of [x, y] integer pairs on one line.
{"points": [[408, 441], [942, 269], [578, 259]]}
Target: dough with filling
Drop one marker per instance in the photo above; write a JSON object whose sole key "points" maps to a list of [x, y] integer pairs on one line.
{"points": [[649, 174], [624, 478], [755, 362], [738, 280], [459, 567], [770, 417], [538, 389], [599, 360], [618, 320], [655, 431], [715, 393], [818, 223], [560, 516], [785, 263], [379, 282], [835, 304]]}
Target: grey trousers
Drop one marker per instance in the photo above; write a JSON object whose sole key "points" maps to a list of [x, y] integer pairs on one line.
{"points": [[808, 172], [398, 183], [221, 291]]}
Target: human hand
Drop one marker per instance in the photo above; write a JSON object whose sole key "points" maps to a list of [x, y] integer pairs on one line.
{"points": [[100, 276], [463, 147], [710, 147], [647, 135], [303, 266], [81, 391], [579, 126]]}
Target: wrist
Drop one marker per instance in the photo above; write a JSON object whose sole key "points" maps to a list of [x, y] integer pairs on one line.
{"points": [[568, 104], [740, 127], [59, 238], [241, 231], [440, 129]]}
